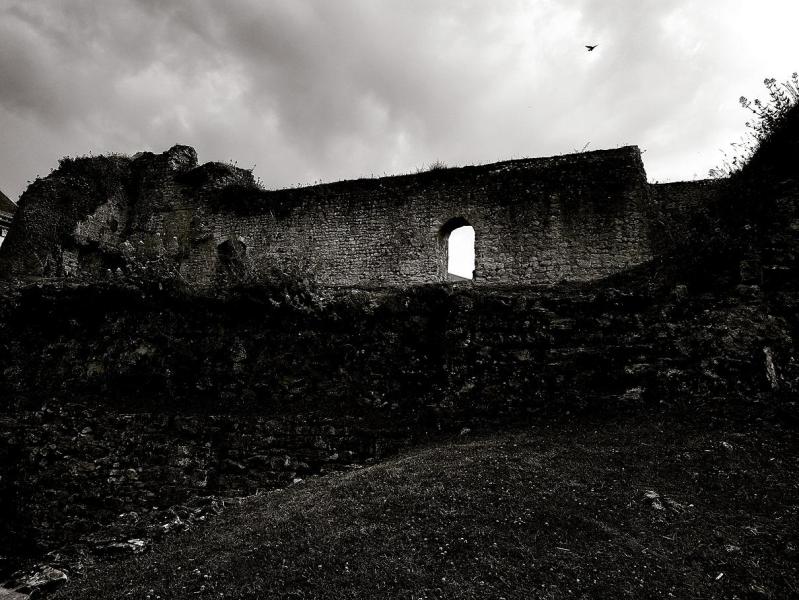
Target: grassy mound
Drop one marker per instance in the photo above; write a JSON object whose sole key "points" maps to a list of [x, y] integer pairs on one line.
{"points": [[629, 510]]}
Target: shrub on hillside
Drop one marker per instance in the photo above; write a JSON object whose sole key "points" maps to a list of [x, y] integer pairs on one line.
{"points": [[769, 117]]}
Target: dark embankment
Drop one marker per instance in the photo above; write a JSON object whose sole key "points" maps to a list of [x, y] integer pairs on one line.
{"points": [[116, 401], [626, 510]]}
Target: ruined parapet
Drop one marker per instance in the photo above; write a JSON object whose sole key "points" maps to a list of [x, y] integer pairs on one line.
{"points": [[98, 214], [45, 239], [537, 221]]}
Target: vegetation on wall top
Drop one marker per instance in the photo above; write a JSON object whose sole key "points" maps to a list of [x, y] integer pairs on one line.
{"points": [[770, 118]]}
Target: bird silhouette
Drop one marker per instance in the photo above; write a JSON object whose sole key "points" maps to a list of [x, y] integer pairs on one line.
{"points": [[591, 48]]}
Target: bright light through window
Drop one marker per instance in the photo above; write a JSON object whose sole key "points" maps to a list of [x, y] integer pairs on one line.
{"points": [[460, 254]]}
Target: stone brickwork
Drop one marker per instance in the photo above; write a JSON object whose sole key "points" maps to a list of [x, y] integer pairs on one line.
{"points": [[537, 221], [114, 402], [681, 209]]}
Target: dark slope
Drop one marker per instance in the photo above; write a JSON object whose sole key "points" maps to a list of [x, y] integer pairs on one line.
{"points": [[630, 510]]}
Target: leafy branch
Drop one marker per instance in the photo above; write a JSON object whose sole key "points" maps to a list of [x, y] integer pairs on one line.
{"points": [[768, 118]]}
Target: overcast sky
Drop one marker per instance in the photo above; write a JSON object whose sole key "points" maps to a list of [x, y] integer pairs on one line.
{"points": [[310, 90]]}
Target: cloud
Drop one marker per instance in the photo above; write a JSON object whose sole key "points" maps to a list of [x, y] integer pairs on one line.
{"points": [[311, 89]]}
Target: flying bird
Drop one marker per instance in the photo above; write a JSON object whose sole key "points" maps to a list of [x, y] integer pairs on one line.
{"points": [[591, 48]]}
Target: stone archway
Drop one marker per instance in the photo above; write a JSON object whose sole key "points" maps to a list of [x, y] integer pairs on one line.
{"points": [[457, 238]]}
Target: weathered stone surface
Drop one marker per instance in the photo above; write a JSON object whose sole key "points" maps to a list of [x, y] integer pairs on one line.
{"points": [[41, 580], [538, 221], [115, 403]]}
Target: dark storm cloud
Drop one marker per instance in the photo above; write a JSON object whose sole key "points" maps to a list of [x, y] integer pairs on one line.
{"points": [[326, 90]]}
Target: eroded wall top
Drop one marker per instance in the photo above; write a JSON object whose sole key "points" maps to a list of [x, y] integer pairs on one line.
{"points": [[537, 221]]}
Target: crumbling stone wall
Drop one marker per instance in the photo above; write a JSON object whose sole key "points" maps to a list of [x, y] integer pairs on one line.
{"points": [[46, 235], [115, 402], [680, 212], [537, 221]]}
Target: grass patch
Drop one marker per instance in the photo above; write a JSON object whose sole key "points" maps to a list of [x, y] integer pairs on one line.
{"points": [[628, 510]]}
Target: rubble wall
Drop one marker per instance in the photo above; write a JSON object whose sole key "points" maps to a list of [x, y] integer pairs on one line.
{"points": [[537, 221], [117, 401]]}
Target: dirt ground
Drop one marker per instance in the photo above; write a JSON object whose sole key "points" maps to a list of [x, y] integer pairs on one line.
{"points": [[620, 510]]}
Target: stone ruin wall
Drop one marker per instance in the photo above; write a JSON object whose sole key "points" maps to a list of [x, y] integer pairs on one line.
{"points": [[678, 209], [537, 221]]}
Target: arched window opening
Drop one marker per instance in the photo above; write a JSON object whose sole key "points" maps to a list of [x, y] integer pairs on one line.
{"points": [[459, 238], [460, 253]]}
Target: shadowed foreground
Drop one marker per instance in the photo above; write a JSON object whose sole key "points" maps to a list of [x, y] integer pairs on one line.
{"points": [[620, 510]]}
